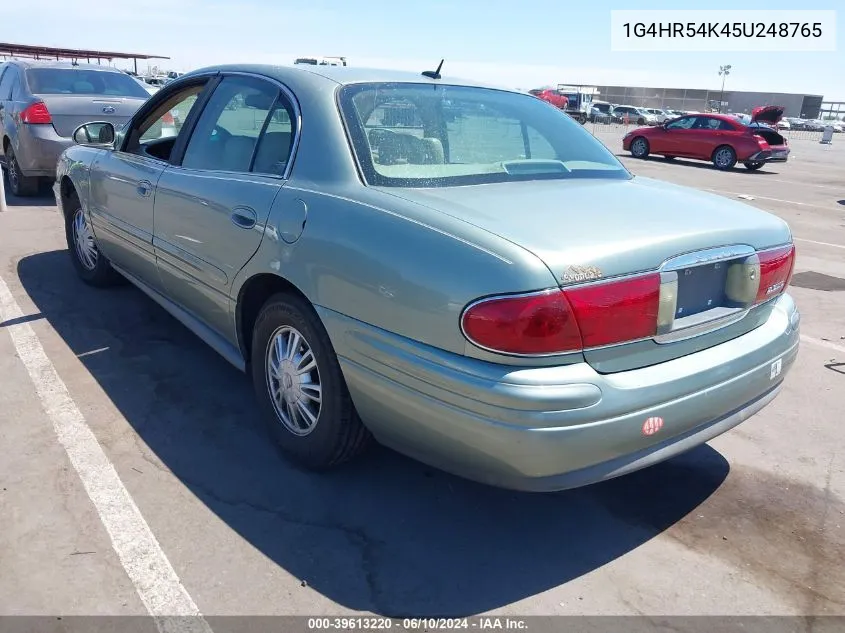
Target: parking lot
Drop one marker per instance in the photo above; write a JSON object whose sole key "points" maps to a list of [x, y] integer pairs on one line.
{"points": [[752, 523]]}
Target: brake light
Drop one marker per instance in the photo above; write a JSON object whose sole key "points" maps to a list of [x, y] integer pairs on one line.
{"points": [[541, 323], [776, 268], [558, 321], [36, 113]]}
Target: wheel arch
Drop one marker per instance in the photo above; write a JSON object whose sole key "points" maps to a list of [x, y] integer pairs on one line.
{"points": [[252, 296]]}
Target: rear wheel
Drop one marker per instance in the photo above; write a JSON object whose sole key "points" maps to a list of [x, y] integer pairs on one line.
{"points": [[300, 387], [639, 147], [724, 157], [90, 264], [19, 184], [753, 166]]}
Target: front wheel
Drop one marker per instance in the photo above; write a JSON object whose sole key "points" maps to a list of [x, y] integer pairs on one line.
{"points": [[90, 264], [639, 147], [751, 166], [300, 387], [724, 158]]}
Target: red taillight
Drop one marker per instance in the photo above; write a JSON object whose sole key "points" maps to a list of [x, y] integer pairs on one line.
{"points": [[775, 271], [558, 321], [540, 323], [617, 311], [37, 113]]}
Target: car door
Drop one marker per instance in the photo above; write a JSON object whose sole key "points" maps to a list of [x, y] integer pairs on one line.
{"points": [[123, 182], [211, 207], [675, 138], [708, 134]]}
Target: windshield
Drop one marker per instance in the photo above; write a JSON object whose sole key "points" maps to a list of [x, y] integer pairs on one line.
{"points": [[423, 135], [79, 81]]}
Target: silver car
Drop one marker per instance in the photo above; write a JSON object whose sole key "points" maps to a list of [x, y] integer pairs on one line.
{"points": [[463, 273], [42, 103]]}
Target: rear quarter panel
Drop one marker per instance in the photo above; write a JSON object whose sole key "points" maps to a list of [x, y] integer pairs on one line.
{"points": [[379, 260]]}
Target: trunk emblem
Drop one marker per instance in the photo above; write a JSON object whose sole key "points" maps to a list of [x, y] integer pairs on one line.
{"points": [[582, 273], [108, 110]]}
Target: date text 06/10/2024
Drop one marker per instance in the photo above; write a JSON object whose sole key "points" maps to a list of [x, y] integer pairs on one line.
{"points": [[481, 623]]}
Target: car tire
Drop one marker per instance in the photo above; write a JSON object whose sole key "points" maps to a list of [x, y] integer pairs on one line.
{"points": [[20, 185], [317, 435], [753, 166], [724, 157], [641, 121], [91, 265], [639, 147]]}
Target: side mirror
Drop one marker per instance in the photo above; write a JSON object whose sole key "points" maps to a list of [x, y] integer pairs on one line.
{"points": [[95, 133]]}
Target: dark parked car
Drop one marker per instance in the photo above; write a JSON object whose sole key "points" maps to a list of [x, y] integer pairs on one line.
{"points": [[720, 138], [42, 103]]}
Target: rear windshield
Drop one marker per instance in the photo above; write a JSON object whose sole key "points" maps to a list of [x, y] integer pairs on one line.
{"points": [[78, 81], [423, 135]]}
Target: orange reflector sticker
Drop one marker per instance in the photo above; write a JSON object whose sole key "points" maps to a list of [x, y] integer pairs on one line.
{"points": [[652, 426]]}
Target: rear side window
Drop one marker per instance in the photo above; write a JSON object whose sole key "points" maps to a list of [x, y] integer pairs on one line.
{"points": [[80, 81]]}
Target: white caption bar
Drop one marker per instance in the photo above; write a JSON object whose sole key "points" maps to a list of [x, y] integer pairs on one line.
{"points": [[725, 30]]}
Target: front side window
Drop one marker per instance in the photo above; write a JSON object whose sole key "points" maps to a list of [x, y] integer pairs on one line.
{"points": [[419, 135], [80, 81], [167, 119], [246, 126]]}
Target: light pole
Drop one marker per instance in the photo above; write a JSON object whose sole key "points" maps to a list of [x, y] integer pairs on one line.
{"points": [[724, 71]]}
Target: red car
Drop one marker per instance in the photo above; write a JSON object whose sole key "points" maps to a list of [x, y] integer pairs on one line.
{"points": [[552, 96], [720, 138]]}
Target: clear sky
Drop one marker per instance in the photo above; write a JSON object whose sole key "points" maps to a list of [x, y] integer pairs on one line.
{"points": [[520, 44]]}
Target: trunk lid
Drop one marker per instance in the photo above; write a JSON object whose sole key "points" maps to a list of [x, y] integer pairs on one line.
{"points": [[587, 229], [70, 111], [767, 114]]}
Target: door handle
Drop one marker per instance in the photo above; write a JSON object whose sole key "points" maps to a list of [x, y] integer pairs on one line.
{"points": [[244, 218], [144, 189]]}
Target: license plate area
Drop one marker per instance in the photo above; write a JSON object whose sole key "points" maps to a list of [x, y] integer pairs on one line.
{"points": [[702, 288], [701, 293]]}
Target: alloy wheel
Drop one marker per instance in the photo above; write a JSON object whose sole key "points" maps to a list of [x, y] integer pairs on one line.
{"points": [[293, 380], [83, 240]]}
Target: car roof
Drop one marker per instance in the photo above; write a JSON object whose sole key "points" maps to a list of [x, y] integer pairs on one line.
{"points": [[342, 75]]}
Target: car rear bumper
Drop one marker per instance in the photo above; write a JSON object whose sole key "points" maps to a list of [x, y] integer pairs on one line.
{"points": [[552, 428], [39, 148], [773, 155]]}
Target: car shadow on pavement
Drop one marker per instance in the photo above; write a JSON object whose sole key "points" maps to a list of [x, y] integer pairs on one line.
{"points": [[385, 534], [43, 198]]}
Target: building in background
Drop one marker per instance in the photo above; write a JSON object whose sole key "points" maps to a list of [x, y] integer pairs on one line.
{"points": [[686, 99]]}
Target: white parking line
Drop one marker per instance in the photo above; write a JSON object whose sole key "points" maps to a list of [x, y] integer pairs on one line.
{"points": [[800, 204], [801, 239], [821, 343], [145, 563]]}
